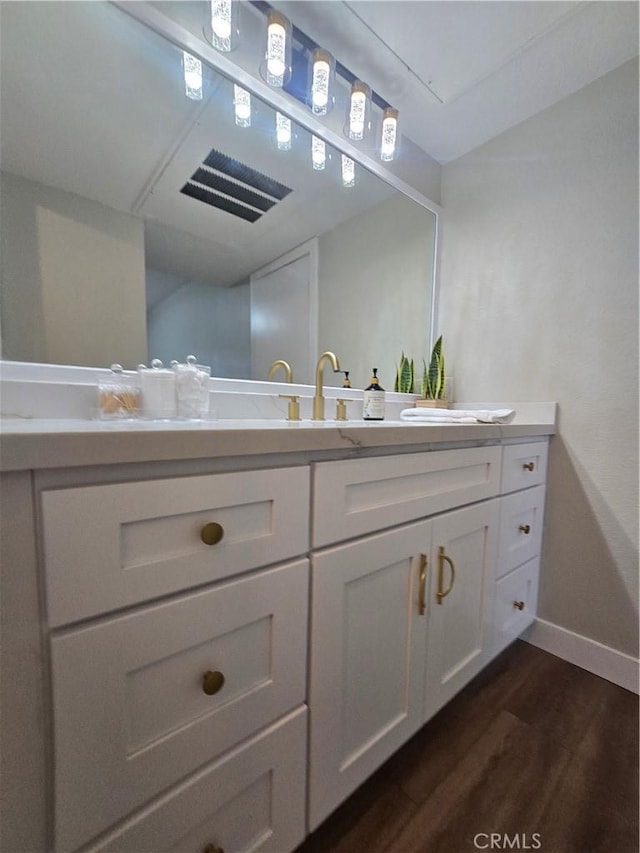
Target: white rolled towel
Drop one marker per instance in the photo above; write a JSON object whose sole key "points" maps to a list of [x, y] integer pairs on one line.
{"points": [[459, 416]]}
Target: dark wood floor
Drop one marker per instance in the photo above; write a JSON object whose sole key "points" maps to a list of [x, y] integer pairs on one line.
{"points": [[534, 747]]}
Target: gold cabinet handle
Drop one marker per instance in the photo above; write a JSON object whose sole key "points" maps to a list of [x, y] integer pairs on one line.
{"points": [[212, 533], [525, 528], [422, 594], [442, 559], [213, 848], [529, 466], [519, 605], [212, 682]]}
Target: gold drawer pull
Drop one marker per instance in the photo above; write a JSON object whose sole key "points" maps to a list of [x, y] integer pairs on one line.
{"points": [[442, 559], [212, 533], [529, 466], [422, 597], [519, 605], [212, 682], [213, 848], [525, 528]]}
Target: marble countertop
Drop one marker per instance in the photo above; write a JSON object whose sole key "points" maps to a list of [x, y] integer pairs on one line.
{"points": [[54, 443]]}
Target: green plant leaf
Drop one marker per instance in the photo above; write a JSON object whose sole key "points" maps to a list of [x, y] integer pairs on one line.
{"points": [[433, 379]]}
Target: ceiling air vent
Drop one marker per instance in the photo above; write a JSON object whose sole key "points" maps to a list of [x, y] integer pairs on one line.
{"points": [[244, 192]]}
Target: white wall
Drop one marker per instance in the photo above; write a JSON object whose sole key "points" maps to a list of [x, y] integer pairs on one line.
{"points": [[539, 301], [375, 285], [209, 322], [72, 278]]}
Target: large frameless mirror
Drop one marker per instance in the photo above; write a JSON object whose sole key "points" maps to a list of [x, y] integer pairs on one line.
{"points": [[141, 220]]}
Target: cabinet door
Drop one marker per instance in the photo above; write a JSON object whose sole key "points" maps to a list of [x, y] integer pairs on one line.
{"points": [[463, 560], [368, 643]]}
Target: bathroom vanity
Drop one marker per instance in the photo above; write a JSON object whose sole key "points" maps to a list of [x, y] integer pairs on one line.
{"points": [[213, 633]]}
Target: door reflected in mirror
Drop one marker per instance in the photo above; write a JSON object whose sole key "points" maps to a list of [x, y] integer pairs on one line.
{"points": [[141, 223]]}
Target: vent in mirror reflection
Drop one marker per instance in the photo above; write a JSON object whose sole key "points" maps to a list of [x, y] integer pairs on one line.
{"points": [[234, 187]]}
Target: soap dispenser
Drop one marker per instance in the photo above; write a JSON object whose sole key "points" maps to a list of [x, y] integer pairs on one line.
{"points": [[373, 399]]}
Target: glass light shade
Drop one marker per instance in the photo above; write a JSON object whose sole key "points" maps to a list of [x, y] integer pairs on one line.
{"points": [[359, 108], [322, 75], [318, 153], [192, 68], [283, 132], [278, 50], [389, 134], [348, 172], [223, 33], [242, 106]]}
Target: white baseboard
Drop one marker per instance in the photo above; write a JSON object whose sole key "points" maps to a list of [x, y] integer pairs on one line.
{"points": [[615, 666]]}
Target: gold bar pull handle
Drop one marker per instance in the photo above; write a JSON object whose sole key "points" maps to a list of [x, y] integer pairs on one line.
{"points": [[442, 559], [422, 587], [525, 528], [519, 605], [529, 466]]}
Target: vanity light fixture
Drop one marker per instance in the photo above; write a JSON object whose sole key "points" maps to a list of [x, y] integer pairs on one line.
{"points": [[283, 132], [192, 68], [242, 106], [318, 153], [359, 109], [224, 24], [348, 172], [322, 77], [389, 135], [277, 69]]}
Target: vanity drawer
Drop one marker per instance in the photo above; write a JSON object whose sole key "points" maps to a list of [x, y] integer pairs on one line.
{"points": [[523, 465], [516, 596], [139, 703], [110, 546], [366, 495], [521, 521], [253, 799]]}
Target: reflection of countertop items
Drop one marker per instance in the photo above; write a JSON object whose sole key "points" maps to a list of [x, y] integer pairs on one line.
{"points": [[47, 443]]}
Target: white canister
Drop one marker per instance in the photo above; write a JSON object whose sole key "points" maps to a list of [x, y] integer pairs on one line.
{"points": [[158, 391]]}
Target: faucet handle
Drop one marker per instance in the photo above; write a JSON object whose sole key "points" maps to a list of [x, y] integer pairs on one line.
{"points": [[341, 408], [293, 408]]}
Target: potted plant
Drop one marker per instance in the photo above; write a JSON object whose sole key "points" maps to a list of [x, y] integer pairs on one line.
{"points": [[434, 382], [405, 375]]}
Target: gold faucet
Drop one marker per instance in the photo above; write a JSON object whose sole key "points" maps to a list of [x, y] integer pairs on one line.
{"points": [[286, 367], [318, 400]]}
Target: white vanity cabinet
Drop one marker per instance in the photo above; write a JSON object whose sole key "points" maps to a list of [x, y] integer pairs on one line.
{"points": [[222, 658], [399, 617], [162, 697], [515, 584]]}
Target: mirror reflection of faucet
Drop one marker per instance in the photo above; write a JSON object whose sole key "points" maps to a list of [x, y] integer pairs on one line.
{"points": [[279, 362]]}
